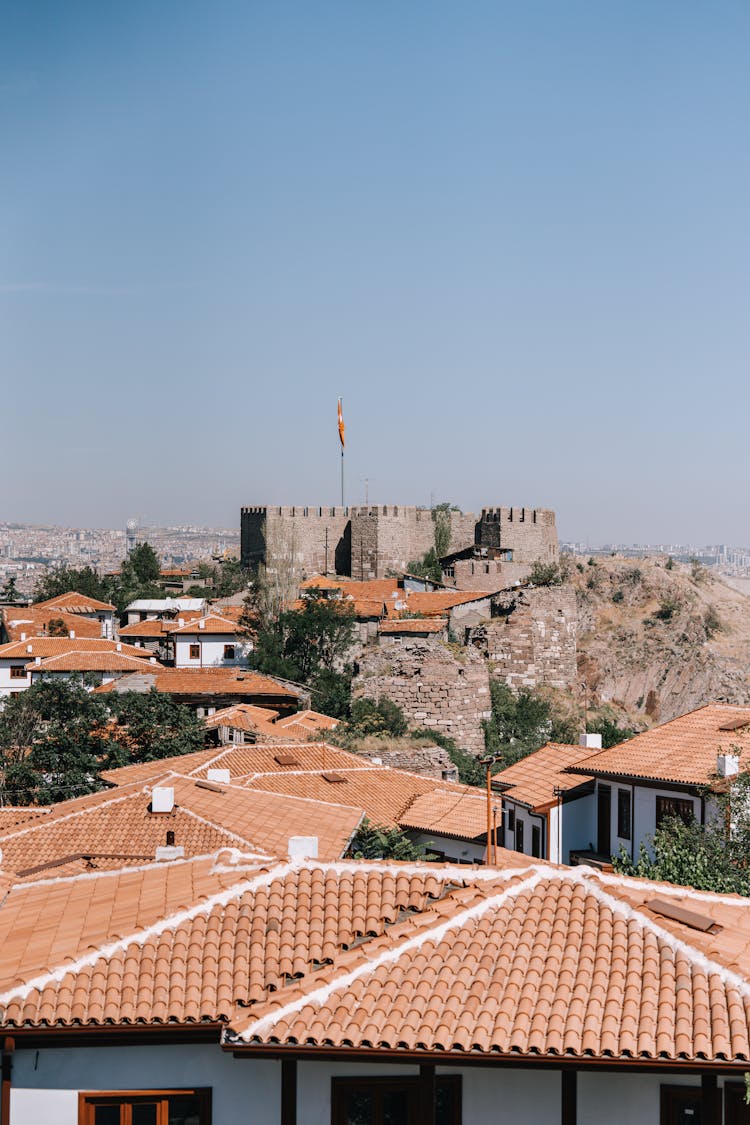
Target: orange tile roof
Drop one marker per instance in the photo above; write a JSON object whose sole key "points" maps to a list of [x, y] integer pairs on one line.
{"points": [[161, 627], [209, 623], [243, 716], [379, 589], [434, 603], [307, 722], [683, 750], [535, 778], [213, 681], [94, 662], [74, 602], [413, 625], [33, 621], [543, 962], [59, 646], [523, 961], [460, 815], [186, 942]]}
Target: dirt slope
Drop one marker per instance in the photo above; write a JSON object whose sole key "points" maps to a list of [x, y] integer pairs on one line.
{"points": [[659, 640]]}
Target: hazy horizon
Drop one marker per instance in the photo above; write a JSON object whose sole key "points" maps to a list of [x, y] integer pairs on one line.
{"points": [[514, 238]]}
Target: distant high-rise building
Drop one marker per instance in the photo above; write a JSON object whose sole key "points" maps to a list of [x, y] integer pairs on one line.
{"points": [[131, 528]]}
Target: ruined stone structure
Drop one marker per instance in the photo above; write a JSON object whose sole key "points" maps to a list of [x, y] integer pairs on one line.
{"points": [[433, 687], [531, 639], [369, 542]]}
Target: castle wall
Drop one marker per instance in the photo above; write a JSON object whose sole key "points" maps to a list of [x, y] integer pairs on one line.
{"points": [[532, 638], [486, 574], [370, 542], [433, 687], [530, 533]]}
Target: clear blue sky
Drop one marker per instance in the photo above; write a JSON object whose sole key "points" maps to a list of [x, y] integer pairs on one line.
{"points": [[514, 236]]}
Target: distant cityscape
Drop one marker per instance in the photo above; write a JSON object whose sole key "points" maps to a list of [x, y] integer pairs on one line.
{"points": [[733, 561], [27, 551]]}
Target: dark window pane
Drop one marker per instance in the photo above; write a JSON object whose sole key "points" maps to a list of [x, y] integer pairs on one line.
{"points": [[184, 1110], [623, 814], [359, 1108], [107, 1115], [144, 1113], [395, 1107]]}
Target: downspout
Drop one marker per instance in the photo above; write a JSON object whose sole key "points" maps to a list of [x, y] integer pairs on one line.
{"points": [[7, 1070], [632, 822]]}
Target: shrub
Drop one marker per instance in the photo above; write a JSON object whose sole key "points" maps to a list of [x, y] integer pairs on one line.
{"points": [[546, 574], [668, 607], [617, 596]]}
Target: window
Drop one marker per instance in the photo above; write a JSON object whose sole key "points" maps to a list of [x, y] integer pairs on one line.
{"points": [[146, 1107], [17, 672], [623, 814], [680, 1105], [229, 652], [673, 806], [195, 652], [536, 841], [510, 818], [519, 835], [392, 1101]]}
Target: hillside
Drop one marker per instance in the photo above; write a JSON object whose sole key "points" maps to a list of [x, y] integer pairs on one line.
{"points": [[658, 640]]}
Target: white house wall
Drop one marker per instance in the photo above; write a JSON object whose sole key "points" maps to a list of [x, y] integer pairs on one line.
{"points": [[643, 814], [529, 820], [457, 851], [46, 1086], [578, 825], [211, 650]]}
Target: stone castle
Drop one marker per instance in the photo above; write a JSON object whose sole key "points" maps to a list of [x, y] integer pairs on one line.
{"points": [[374, 541]]}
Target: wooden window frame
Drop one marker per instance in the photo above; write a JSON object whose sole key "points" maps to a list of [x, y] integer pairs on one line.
{"points": [[624, 815], [18, 672], [410, 1083], [519, 842], [229, 652], [194, 651], [682, 807], [88, 1101]]}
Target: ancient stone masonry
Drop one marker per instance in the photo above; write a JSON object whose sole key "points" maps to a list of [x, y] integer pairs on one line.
{"points": [[433, 687], [531, 639], [369, 542]]}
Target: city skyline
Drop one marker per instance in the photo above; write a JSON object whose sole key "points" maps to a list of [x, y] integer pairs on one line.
{"points": [[513, 239]]}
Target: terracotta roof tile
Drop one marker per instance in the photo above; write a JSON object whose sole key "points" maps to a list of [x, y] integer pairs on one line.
{"points": [[85, 661], [212, 682], [412, 625], [33, 621], [534, 779], [74, 602], [210, 623], [683, 750], [58, 646]]}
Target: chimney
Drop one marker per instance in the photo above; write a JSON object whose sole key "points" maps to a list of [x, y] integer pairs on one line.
{"points": [[591, 741], [451, 774], [202, 624], [23, 636], [170, 838], [168, 852], [37, 660], [29, 648], [72, 634], [162, 799], [303, 847], [180, 621], [223, 777], [727, 765], [119, 646], [376, 761]]}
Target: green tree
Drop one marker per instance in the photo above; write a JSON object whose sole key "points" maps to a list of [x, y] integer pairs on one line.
{"points": [[139, 577], [84, 580], [373, 841], [150, 726], [706, 856], [521, 723], [381, 717], [309, 646], [9, 593]]}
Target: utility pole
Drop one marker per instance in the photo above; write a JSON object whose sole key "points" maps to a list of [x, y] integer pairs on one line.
{"points": [[488, 763]]}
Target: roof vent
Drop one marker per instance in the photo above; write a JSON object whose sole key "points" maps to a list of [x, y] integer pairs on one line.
{"points": [[303, 847], [210, 785], [166, 852], [162, 799], [736, 724], [591, 741], [333, 778], [286, 759], [688, 917], [223, 777], [727, 765]]}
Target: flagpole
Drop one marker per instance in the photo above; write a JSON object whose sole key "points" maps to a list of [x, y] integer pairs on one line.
{"points": [[341, 439], [342, 478]]}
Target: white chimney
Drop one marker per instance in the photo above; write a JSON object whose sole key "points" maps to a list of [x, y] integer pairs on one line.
{"points": [[165, 852], [591, 741], [23, 636], [38, 659], [223, 777], [303, 847], [162, 799], [119, 646], [72, 634], [727, 765], [29, 648], [201, 624], [181, 621]]}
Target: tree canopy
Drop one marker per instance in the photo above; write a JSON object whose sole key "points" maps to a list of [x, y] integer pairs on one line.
{"points": [[84, 580]]}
